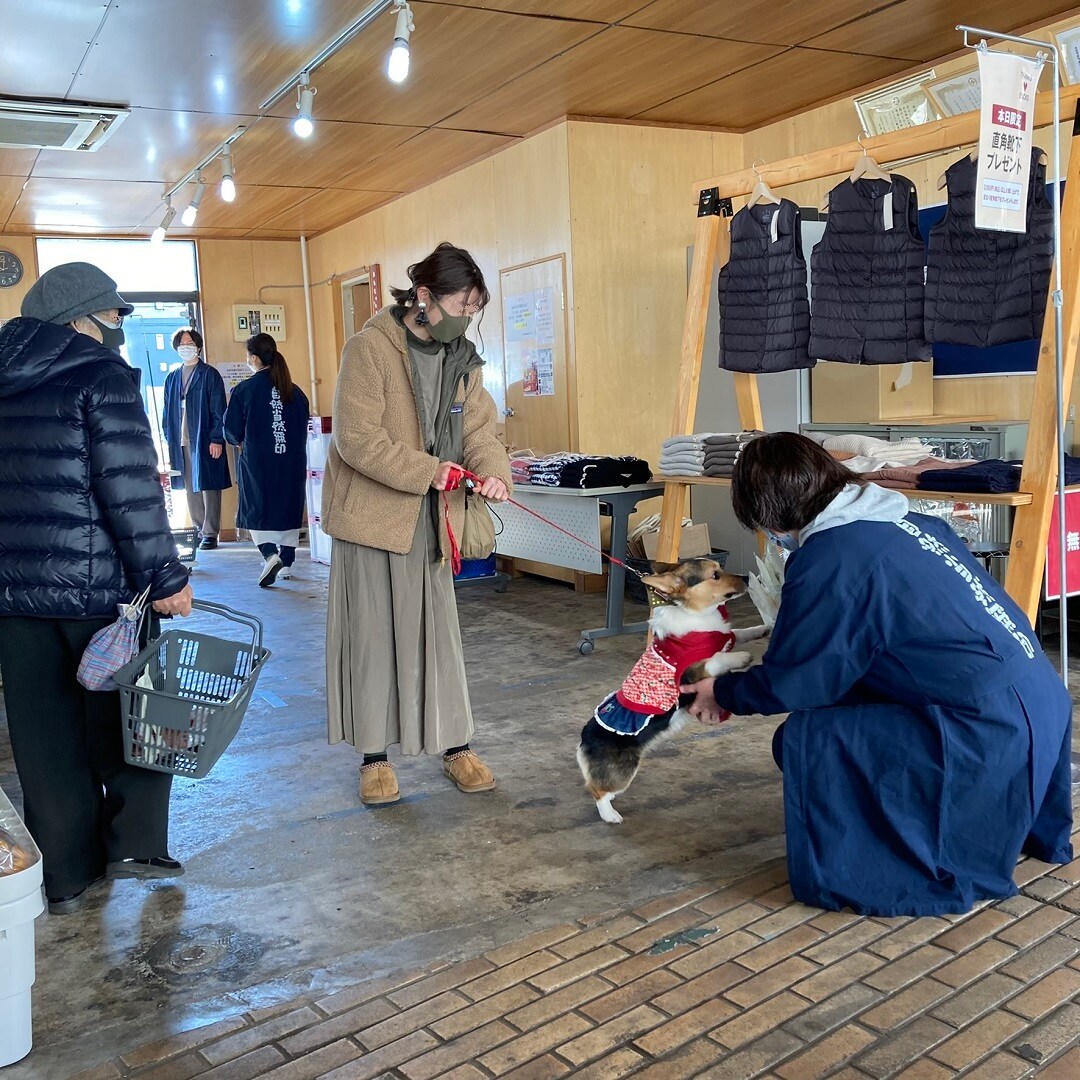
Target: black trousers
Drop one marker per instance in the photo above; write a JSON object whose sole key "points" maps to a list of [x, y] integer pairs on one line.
{"points": [[83, 805]]}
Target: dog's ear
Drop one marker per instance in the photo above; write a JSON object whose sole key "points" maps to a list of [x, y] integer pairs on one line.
{"points": [[663, 584]]}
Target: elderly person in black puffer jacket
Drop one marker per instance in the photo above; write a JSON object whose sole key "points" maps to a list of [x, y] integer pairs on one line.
{"points": [[83, 528]]}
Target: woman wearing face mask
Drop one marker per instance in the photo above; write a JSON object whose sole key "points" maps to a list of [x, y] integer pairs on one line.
{"points": [[193, 427], [267, 418], [82, 529], [928, 740], [410, 406]]}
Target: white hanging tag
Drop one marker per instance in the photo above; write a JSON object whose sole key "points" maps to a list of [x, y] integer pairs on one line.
{"points": [[887, 211], [774, 226]]}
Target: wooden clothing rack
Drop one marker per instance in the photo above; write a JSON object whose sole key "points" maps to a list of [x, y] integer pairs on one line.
{"points": [[712, 246]]}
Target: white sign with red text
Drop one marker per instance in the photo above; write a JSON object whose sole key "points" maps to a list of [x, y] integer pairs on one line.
{"points": [[1009, 84]]}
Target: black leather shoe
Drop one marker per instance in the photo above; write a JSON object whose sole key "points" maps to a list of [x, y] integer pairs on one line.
{"points": [[144, 868], [67, 905], [208, 543]]}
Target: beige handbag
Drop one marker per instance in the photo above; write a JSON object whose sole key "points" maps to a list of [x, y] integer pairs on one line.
{"points": [[478, 535]]}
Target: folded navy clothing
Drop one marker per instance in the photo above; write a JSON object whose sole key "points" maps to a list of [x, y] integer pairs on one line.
{"points": [[987, 477]]}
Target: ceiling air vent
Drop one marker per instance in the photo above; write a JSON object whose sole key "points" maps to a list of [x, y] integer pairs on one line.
{"points": [[46, 125]]}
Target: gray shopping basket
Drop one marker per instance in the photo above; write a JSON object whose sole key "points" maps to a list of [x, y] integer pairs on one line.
{"points": [[183, 697]]}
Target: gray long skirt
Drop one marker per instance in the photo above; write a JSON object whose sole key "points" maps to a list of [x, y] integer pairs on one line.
{"points": [[394, 666]]}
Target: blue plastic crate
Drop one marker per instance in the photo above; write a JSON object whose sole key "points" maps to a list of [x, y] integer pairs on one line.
{"points": [[476, 568]]}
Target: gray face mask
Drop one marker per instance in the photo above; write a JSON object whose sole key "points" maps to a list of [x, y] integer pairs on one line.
{"points": [[112, 337]]}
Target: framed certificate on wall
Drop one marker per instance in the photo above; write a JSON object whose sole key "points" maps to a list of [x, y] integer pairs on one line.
{"points": [[1068, 42], [957, 94]]}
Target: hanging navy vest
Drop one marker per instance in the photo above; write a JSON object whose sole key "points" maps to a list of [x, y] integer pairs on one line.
{"points": [[764, 309], [985, 287], [867, 276]]}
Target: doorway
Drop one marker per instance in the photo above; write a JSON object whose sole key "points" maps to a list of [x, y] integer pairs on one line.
{"points": [[359, 297], [147, 347]]}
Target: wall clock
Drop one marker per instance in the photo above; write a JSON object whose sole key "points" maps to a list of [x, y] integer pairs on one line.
{"points": [[11, 269]]}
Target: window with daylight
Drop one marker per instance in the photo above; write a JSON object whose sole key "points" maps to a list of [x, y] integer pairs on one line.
{"points": [[137, 266]]}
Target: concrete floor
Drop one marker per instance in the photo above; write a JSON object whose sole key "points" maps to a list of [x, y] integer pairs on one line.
{"points": [[292, 886]]}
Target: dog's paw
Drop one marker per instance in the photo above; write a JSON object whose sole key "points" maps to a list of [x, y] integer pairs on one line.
{"points": [[739, 661], [608, 812]]}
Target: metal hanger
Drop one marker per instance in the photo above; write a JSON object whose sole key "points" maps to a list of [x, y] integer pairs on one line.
{"points": [[866, 168], [762, 193]]}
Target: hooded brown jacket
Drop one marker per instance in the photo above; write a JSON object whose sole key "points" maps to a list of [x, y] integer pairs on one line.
{"points": [[378, 472]]}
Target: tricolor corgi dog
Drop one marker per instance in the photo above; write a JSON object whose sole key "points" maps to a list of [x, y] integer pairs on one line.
{"points": [[691, 640]]}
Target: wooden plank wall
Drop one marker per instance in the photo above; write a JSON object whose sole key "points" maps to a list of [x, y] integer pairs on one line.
{"points": [[507, 210]]}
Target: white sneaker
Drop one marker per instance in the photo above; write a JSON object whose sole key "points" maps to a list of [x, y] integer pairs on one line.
{"points": [[270, 570], [285, 573]]}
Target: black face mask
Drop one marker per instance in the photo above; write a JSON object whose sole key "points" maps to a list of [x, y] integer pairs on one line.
{"points": [[112, 337]]}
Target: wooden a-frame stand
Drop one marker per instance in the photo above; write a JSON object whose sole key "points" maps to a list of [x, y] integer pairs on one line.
{"points": [[712, 245]]}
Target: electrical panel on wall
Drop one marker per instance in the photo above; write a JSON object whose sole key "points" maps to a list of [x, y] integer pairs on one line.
{"points": [[251, 319]]}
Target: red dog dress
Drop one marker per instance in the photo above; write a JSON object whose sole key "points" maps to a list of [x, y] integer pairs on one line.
{"points": [[652, 687]]}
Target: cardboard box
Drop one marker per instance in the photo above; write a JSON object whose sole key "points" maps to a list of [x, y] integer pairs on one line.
{"points": [[865, 394], [693, 542]]}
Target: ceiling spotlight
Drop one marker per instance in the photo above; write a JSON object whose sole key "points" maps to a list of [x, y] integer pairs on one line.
{"points": [[158, 234], [397, 67], [228, 185], [303, 125], [191, 211]]}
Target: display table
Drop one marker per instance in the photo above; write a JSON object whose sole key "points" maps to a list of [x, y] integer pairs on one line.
{"points": [[578, 511]]}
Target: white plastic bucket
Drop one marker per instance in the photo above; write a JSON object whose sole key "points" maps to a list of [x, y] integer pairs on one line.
{"points": [[20, 905]]}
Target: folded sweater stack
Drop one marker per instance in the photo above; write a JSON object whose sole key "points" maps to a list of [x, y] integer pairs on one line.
{"points": [[585, 471], [872, 454], [694, 455], [723, 451], [907, 476]]}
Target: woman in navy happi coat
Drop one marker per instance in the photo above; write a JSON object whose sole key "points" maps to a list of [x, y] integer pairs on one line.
{"points": [[268, 418], [928, 742]]}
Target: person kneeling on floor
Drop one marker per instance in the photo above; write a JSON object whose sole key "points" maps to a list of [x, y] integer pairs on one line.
{"points": [[929, 740]]}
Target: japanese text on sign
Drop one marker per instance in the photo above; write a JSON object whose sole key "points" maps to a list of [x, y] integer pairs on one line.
{"points": [[1009, 83]]}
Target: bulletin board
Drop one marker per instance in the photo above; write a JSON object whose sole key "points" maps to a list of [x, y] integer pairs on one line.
{"points": [[533, 301]]}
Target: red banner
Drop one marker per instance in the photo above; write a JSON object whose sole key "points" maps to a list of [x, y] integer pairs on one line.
{"points": [[1072, 549]]}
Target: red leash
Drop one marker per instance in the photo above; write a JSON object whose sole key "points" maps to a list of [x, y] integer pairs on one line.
{"points": [[453, 482]]}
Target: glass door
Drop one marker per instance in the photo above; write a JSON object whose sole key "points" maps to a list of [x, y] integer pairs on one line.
{"points": [[147, 347]]}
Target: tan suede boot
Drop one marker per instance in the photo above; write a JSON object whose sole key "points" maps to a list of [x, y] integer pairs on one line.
{"points": [[468, 772], [378, 784]]}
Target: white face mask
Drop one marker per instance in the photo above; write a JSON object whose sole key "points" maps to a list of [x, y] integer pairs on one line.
{"points": [[187, 353]]}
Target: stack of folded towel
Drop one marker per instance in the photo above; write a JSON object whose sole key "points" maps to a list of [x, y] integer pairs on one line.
{"points": [[520, 463], [691, 455], [585, 471]]}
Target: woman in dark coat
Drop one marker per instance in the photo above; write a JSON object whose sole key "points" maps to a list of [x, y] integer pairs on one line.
{"points": [[193, 415], [928, 740], [268, 419], [82, 529]]}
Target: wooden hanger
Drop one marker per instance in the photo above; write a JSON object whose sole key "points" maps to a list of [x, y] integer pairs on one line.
{"points": [[762, 193], [866, 168]]}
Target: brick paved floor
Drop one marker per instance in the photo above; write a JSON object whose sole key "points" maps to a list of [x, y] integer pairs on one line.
{"points": [[727, 983]]}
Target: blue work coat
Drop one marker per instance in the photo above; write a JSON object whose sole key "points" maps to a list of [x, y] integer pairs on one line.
{"points": [[205, 416], [929, 738], [272, 464]]}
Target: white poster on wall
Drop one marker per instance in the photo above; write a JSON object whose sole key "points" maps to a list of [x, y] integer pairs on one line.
{"points": [[1009, 84]]}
